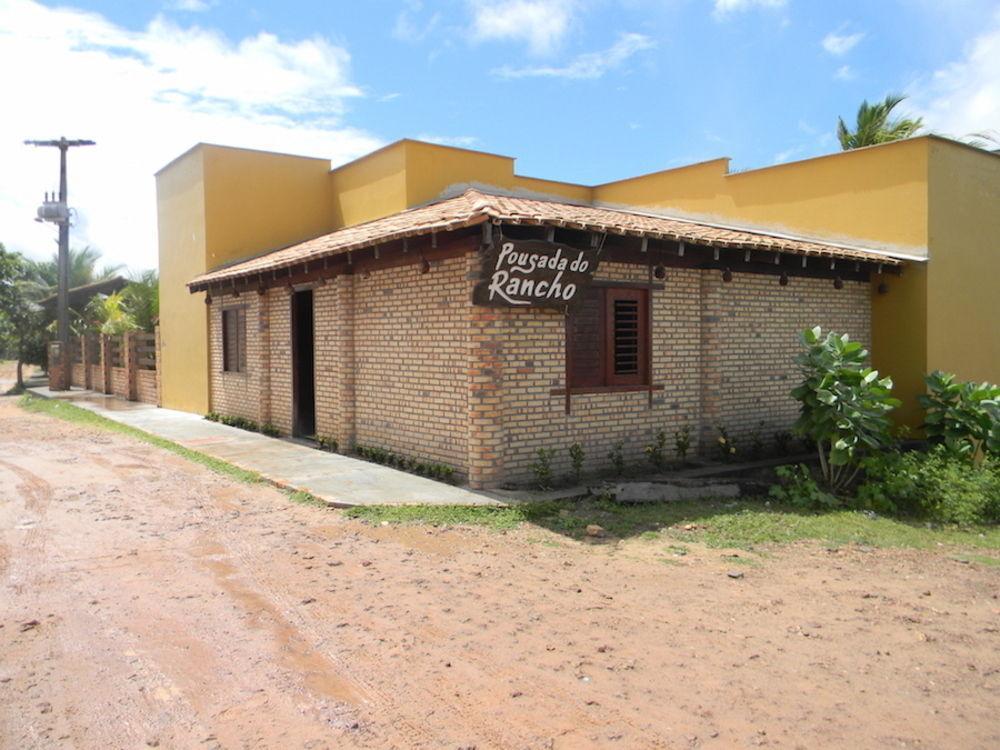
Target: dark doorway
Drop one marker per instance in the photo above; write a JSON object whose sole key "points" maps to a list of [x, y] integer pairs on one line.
{"points": [[303, 375]]}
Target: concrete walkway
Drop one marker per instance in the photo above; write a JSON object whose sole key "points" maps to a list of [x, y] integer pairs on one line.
{"points": [[339, 480]]}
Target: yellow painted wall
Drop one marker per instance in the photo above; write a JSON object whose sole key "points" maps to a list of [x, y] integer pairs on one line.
{"points": [[877, 194], [963, 275], [370, 187], [217, 204], [899, 337], [180, 202]]}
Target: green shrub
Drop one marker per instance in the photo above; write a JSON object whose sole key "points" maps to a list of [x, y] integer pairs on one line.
{"points": [[724, 444], [783, 441], [756, 449], [963, 417], [844, 404], [682, 442], [657, 451], [542, 468], [328, 444], [269, 429], [937, 485], [240, 422], [617, 457], [797, 487], [576, 460]]}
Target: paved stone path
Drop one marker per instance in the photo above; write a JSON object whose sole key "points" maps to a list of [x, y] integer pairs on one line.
{"points": [[339, 480]]}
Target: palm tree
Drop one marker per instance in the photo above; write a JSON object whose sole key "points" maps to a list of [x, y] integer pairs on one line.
{"points": [[988, 140], [82, 268], [874, 126]]}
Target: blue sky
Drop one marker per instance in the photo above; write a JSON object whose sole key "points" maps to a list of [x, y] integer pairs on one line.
{"points": [[580, 90]]}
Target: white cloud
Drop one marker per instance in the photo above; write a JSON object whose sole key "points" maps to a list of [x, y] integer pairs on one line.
{"points": [[541, 24], [724, 8], [844, 73], [840, 44], [964, 97], [190, 6], [588, 65], [409, 27], [145, 97]]}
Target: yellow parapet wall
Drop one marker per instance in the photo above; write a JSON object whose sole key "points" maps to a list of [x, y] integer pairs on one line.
{"points": [[216, 205], [921, 197]]}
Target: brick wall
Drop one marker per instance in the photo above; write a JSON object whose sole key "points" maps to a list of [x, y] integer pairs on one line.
{"points": [[97, 377], [750, 338], [119, 381], [279, 334], [409, 348], [236, 394], [534, 364], [404, 362], [334, 360], [78, 375], [723, 352], [146, 390]]}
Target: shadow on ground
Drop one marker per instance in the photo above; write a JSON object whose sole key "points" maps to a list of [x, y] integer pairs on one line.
{"points": [[743, 523]]}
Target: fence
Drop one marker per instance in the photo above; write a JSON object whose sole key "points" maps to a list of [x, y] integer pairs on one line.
{"points": [[124, 366]]}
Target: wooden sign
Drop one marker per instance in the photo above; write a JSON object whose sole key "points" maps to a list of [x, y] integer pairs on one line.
{"points": [[534, 273]]}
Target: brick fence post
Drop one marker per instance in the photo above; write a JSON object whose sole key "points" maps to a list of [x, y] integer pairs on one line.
{"points": [[58, 366], [85, 346], [105, 363], [485, 378], [131, 362]]}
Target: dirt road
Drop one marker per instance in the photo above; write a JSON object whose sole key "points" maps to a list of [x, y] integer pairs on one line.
{"points": [[145, 601]]}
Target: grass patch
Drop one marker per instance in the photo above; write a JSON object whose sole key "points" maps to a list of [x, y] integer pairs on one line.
{"points": [[305, 498], [450, 515], [740, 525], [70, 413], [993, 562]]}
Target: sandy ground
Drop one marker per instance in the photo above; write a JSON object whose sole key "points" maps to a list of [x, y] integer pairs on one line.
{"points": [[147, 602]]}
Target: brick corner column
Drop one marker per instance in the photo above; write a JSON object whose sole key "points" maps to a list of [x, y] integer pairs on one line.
{"points": [[346, 433], [485, 383]]}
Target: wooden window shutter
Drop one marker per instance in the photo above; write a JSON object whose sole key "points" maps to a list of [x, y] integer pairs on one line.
{"points": [[234, 336], [585, 340], [627, 336]]}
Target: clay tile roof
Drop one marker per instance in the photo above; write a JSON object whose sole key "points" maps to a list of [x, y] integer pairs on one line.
{"points": [[476, 207]]}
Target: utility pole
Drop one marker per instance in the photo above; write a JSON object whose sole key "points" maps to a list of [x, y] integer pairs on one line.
{"points": [[58, 213]]}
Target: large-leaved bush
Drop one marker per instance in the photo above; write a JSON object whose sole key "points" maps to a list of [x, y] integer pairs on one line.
{"points": [[844, 404], [963, 417]]}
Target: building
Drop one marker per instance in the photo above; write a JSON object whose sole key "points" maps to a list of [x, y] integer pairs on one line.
{"points": [[430, 301]]}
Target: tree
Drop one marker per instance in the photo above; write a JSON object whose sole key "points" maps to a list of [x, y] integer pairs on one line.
{"points": [[22, 323], [874, 125], [988, 140], [844, 404], [83, 269], [109, 313], [142, 298]]}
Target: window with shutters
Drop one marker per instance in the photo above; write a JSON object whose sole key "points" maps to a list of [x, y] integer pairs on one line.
{"points": [[234, 339], [608, 339]]}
